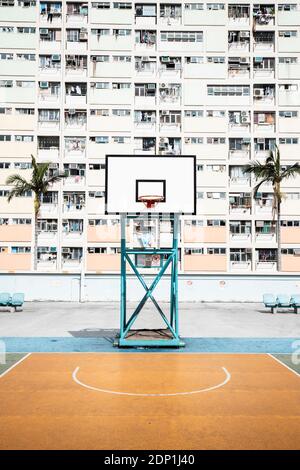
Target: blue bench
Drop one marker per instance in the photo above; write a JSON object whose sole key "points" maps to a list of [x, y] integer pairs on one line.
{"points": [[282, 301], [14, 302]]}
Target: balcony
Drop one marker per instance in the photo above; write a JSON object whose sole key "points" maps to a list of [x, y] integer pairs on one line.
{"points": [[73, 203], [169, 94], [75, 120], [264, 41], [145, 41], [264, 207], [49, 93], [76, 66], [239, 149], [235, 181], [71, 259], [75, 147], [145, 66], [170, 121], [264, 16], [50, 13], [241, 266], [239, 206], [170, 67], [238, 15], [238, 41], [77, 14], [145, 121], [169, 146], [264, 95], [144, 146], [145, 14], [145, 95], [266, 266], [170, 14], [50, 67], [263, 67], [76, 94], [264, 122], [72, 230]]}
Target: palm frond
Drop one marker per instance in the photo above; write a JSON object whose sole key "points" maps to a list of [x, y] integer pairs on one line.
{"points": [[256, 187], [18, 180], [291, 172]]}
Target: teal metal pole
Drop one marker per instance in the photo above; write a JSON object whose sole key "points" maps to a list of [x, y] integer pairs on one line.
{"points": [[175, 261], [123, 276]]}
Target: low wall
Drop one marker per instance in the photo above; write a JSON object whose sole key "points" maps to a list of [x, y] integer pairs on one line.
{"points": [[105, 287]]}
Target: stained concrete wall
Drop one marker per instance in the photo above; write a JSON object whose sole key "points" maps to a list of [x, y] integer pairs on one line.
{"points": [[192, 287]]}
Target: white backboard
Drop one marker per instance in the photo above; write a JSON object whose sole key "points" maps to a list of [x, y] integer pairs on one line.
{"points": [[130, 176]]}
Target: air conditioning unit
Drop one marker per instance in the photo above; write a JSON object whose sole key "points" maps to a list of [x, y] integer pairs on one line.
{"points": [[55, 57], [145, 58], [73, 166], [245, 119], [163, 85], [151, 86], [244, 60], [44, 31], [71, 111], [244, 34], [164, 113], [65, 250], [163, 140], [44, 84], [165, 59], [260, 141], [93, 84], [258, 92]]}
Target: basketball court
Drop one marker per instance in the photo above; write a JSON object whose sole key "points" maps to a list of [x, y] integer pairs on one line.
{"points": [[179, 393], [149, 401]]}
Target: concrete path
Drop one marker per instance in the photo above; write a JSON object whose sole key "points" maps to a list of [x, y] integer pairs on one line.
{"points": [[217, 320]]}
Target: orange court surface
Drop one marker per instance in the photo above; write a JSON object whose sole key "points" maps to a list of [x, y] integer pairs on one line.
{"points": [[149, 401]]}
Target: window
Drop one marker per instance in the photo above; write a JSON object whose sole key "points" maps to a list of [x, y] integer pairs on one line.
{"points": [[100, 139], [288, 141], [287, 7], [5, 138], [20, 249], [7, 111], [287, 34], [216, 223], [100, 58], [216, 251], [193, 140], [121, 32], [26, 30], [121, 58], [194, 6], [100, 85], [6, 29], [288, 60], [288, 114], [6, 83], [23, 165], [194, 60], [101, 5], [215, 6], [24, 138], [215, 113], [181, 36], [122, 5], [25, 111], [290, 223], [216, 140], [215, 195], [121, 112], [100, 32], [21, 221], [96, 194], [6, 56], [216, 60], [99, 112], [193, 113], [4, 165], [120, 86], [24, 84], [228, 90]]}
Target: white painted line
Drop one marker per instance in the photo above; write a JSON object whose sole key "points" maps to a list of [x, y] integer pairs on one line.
{"points": [[14, 365], [284, 365], [75, 378]]}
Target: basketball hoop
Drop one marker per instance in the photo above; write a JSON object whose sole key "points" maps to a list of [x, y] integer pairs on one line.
{"points": [[151, 201]]}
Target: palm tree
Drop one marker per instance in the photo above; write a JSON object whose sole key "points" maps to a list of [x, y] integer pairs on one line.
{"points": [[271, 172], [38, 184]]}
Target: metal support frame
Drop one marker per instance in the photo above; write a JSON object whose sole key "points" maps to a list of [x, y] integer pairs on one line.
{"points": [[170, 320]]}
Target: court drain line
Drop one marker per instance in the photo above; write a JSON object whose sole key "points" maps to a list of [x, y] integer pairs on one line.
{"points": [[133, 394]]}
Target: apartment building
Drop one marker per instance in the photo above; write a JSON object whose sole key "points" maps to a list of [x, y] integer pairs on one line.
{"points": [[79, 80]]}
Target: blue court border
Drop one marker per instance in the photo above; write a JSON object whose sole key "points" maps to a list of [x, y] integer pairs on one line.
{"points": [[105, 344]]}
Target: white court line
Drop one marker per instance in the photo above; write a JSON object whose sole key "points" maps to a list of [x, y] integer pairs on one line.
{"points": [[14, 365], [283, 364], [75, 378]]}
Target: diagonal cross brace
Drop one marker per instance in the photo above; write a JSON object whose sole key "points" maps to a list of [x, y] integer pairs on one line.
{"points": [[147, 289], [147, 295]]}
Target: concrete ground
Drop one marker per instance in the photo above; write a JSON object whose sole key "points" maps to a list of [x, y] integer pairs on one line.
{"points": [[66, 319]]}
